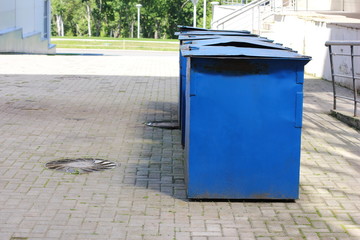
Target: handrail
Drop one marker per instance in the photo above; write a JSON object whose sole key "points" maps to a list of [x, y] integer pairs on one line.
{"points": [[234, 2], [259, 11], [242, 10], [342, 43], [350, 44]]}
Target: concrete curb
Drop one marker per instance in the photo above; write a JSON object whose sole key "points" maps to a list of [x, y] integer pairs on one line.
{"points": [[349, 120]]}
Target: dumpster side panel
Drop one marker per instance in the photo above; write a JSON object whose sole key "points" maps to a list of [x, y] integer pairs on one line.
{"points": [[244, 134], [182, 99], [180, 90], [186, 130]]}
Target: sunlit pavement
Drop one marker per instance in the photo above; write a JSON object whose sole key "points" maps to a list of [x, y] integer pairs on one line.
{"points": [[94, 106]]}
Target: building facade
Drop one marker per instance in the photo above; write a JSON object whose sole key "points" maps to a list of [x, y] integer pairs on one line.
{"points": [[25, 26]]}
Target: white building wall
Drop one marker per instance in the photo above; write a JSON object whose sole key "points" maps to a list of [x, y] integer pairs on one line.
{"points": [[333, 5], [314, 5], [22, 26], [352, 5], [39, 16], [25, 15], [308, 37], [7, 14]]}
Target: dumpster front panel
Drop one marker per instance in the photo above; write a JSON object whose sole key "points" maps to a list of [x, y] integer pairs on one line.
{"points": [[243, 134]]}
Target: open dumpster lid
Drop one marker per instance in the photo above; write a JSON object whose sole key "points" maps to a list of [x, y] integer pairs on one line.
{"points": [[198, 37], [246, 36], [198, 51], [207, 37], [189, 28], [252, 42], [224, 33]]}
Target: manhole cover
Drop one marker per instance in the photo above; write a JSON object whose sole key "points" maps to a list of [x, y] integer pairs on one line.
{"points": [[80, 165], [169, 124]]}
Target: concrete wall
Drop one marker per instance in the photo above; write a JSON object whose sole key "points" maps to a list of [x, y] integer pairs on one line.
{"points": [[333, 5], [28, 17], [314, 5], [7, 14], [25, 15], [245, 21], [352, 5], [39, 16], [308, 37]]}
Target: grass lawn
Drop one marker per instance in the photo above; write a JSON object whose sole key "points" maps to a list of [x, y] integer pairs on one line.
{"points": [[114, 43]]}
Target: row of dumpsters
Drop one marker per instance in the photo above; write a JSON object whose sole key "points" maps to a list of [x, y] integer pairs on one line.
{"points": [[240, 115]]}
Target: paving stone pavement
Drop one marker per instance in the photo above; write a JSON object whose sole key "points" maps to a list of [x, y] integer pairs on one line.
{"points": [[55, 107]]}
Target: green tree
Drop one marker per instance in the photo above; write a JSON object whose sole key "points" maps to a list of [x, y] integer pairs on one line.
{"points": [[118, 18]]}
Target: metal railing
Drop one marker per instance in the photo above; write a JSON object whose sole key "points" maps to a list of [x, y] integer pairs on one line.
{"points": [[252, 15], [289, 5], [247, 8], [234, 2], [352, 55]]}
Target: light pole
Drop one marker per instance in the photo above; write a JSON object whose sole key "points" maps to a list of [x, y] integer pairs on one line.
{"points": [[194, 2], [138, 18], [204, 24]]}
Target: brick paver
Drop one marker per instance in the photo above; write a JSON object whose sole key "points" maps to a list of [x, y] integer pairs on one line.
{"points": [[55, 107]]}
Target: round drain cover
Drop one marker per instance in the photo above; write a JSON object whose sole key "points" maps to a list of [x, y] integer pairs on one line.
{"points": [[80, 165]]}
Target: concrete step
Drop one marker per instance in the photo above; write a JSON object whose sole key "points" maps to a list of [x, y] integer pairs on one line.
{"points": [[14, 41]]}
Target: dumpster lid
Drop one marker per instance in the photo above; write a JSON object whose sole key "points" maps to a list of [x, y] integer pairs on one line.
{"points": [[189, 28], [224, 33], [249, 42], [247, 37], [193, 37], [206, 37], [239, 52]]}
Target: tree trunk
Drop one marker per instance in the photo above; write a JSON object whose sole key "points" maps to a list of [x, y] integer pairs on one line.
{"points": [[132, 30], [117, 31], [88, 10], [157, 32], [78, 33], [59, 26], [62, 27]]}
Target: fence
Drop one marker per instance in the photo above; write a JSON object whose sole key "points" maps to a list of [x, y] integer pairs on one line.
{"points": [[352, 55]]}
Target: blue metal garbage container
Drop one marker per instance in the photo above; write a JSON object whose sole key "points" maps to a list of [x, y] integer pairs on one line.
{"points": [[213, 40], [243, 122], [191, 33], [212, 37], [182, 81]]}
